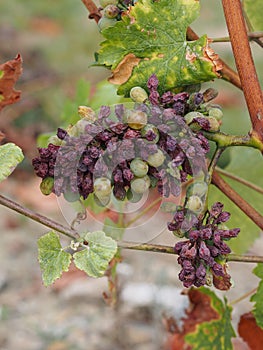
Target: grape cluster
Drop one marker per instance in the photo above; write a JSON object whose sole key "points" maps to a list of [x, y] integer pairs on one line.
{"points": [[203, 254]]}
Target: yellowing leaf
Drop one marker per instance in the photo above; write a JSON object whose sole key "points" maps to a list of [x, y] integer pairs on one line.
{"points": [[52, 258], [10, 156], [154, 32]]}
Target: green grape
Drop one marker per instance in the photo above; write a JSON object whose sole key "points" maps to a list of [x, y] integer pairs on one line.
{"points": [[137, 119], [174, 172], [140, 185], [47, 185], [111, 11], [71, 196], [139, 167], [133, 197], [191, 115], [102, 187], [198, 188], [214, 124], [179, 233], [195, 204], [216, 113], [138, 94], [102, 201], [104, 3], [106, 23], [156, 159], [151, 127]]}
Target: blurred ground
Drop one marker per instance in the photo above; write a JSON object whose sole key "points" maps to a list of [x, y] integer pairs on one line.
{"points": [[57, 42]]}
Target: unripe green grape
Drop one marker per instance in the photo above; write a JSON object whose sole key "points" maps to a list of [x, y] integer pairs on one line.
{"points": [[133, 197], [111, 11], [104, 3], [47, 185], [151, 127], [106, 23], [216, 113], [198, 188], [191, 115], [141, 184], [137, 119], [156, 159], [102, 201], [138, 94], [195, 204], [179, 233], [174, 172], [139, 167], [71, 196], [102, 187], [214, 124]]}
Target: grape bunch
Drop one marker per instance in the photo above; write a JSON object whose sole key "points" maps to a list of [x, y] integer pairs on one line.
{"points": [[124, 151], [203, 255]]}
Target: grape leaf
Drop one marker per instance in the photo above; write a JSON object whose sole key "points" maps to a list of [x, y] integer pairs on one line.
{"points": [[95, 258], [250, 331], [207, 324], [257, 298], [10, 156], [151, 38], [246, 163], [9, 73], [217, 333], [52, 258], [253, 9]]}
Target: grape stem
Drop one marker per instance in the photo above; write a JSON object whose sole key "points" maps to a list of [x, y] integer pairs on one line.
{"points": [[240, 180], [225, 188], [244, 296], [226, 140], [93, 10], [72, 234], [245, 64], [39, 218], [251, 36]]}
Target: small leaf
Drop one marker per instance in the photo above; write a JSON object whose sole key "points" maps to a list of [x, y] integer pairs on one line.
{"points": [[95, 258], [52, 258], [253, 10], [154, 33], [257, 298], [9, 73], [250, 332], [10, 156]]}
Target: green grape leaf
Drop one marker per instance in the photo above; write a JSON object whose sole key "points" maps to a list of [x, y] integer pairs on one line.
{"points": [[52, 258], [217, 333], [10, 156], [246, 163], [151, 38], [253, 9], [112, 229], [257, 298], [95, 258]]}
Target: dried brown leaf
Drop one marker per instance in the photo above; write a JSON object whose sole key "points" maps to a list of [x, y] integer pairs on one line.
{"points": [[123, 71], [250, 331], [9, 73]]}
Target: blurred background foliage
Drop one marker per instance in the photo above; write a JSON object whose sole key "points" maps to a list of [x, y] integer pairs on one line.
{"points": [[57, 42]]}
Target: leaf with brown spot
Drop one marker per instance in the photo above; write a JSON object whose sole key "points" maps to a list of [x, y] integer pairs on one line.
{"points": [[207, 325], [123, 71], [250, 331], [10, 71]]}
